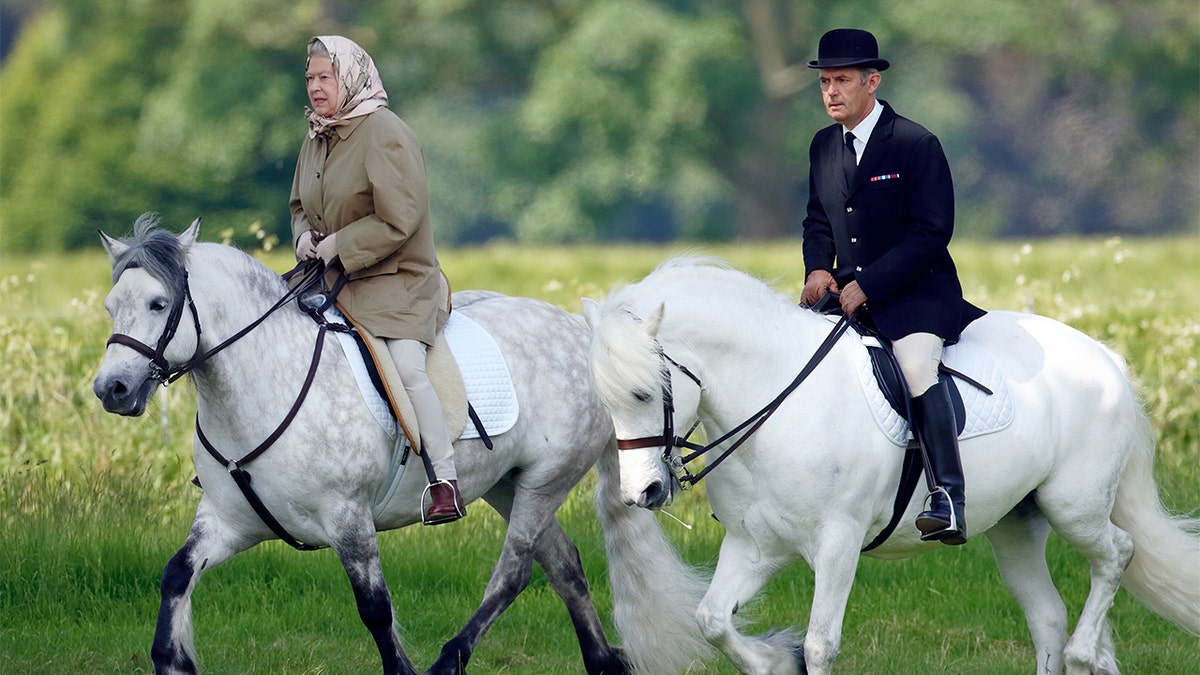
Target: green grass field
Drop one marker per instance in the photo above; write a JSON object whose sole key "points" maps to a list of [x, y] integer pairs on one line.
{"points": [[92, 505]]}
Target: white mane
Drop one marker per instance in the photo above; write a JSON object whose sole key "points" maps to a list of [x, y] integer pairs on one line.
{"points": [[624, 358]]}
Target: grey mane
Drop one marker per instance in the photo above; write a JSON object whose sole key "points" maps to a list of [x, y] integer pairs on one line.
{"points": [[155, 250]]}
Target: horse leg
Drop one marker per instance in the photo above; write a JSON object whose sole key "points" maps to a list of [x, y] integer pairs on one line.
{"points": [[559, 559], [1019, 545], [834, 565], [1090, 650], [510, 576], [1081, 516], [741, 572], [358, 549], [534, 534], [206, 546]]}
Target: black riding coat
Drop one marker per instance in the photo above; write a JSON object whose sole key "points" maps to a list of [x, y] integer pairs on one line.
{"points": [[898, 216]]}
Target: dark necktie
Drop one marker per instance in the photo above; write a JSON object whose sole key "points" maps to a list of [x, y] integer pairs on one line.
{"points": [[849, 159]]}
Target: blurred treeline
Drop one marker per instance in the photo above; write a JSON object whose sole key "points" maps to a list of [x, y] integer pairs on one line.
{"points": [[580, 120]]}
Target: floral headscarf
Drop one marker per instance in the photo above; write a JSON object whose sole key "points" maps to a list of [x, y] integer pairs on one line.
{"points": [[360, 91]]}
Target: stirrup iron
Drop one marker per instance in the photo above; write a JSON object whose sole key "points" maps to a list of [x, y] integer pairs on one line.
{"points": [[425, 495], [928, 506]]}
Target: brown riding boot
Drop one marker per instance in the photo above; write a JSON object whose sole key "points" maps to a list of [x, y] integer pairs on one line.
{"points": [[447, 503]]}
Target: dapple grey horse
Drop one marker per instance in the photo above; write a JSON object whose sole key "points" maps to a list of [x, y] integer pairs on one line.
{"points": [[176, 302]]}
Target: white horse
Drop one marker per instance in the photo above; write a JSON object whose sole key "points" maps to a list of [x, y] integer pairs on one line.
{"points": [[818, 479], [320, 477]]}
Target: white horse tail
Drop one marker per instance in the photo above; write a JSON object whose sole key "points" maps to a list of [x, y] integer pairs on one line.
{"points": [[655, 593], [1165, 570]]}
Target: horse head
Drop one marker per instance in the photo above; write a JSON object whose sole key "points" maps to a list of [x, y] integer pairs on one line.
{"points": [[632, 375], [147, 301]]}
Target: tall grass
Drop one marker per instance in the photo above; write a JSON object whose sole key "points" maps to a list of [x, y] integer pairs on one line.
{"points": [[92, 505]]}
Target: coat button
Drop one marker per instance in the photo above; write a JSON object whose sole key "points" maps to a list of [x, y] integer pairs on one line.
{"points": [[853, 240], [849, 209], [857, 269]]}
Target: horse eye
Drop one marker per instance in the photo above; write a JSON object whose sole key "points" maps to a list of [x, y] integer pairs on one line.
{"points": [[158, 305], [642, 396]]}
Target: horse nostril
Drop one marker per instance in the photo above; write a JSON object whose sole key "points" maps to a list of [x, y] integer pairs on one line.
{"points": [[653, 494], [111, 389]]}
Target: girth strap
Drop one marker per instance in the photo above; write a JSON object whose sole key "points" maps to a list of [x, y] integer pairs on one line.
{"points": [[910, 475]]}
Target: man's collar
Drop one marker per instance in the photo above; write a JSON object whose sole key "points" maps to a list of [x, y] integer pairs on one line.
{"points": [[864, 128]]}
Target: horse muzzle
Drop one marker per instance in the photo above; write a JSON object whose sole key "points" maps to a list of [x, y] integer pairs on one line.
{"points": [[124, 394], [645, 480]]}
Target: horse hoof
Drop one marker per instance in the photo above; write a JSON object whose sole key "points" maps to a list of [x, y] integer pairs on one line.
{"points": [[612, 662]]}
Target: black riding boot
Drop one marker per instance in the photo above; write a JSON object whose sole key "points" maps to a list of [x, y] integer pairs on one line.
{"points": [[937, 430]]}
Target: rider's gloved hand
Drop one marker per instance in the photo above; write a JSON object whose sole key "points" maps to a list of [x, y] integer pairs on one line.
{"points": [[306, 246], [327, 249]]}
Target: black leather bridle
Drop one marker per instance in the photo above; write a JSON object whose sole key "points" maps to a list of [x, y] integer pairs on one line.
{"points": [[669, 441]]}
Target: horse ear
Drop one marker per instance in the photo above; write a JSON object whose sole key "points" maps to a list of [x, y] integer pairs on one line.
{"points": [[189, 235], [653, 322], [114, 247], [591, 312]]}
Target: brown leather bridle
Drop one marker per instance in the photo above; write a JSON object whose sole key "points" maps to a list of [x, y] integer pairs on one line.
{"points": [[160, 369], [310, 273]]}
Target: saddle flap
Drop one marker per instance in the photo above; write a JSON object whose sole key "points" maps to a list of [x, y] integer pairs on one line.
{"points": [[443, 373]]}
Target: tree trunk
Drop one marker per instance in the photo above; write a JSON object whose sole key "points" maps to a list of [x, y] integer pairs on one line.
{"points": [[766, 204]]}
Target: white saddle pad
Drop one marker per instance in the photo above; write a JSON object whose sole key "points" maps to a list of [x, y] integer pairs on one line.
{"points": [[485, 374], [985, 413]]}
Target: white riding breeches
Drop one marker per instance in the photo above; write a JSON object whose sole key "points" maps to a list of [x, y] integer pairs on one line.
{"points": [[919, 355], [409, 356]]}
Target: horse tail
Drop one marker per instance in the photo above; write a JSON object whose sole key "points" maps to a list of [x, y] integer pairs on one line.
{"points": [[655, 593], [1163, 573]]}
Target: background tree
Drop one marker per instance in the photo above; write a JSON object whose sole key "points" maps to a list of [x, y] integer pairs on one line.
{"points": [[572, 120]]}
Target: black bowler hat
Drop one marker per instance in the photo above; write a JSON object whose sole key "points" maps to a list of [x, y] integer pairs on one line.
{"points": [[847, 48]]}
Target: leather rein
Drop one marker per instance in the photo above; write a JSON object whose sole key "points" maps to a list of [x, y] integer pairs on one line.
{"points": [[310, 273], [669, 441]]}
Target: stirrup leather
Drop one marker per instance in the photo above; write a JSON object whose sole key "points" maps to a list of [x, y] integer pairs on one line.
{"points": [[425, 495]]}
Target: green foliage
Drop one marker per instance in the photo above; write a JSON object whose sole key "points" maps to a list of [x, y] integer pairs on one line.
{"points": [[622, 111], [132, 107], [1069, 130], [612, 120]]}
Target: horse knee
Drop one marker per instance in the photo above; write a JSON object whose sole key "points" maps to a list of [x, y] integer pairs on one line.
{"points": [[177, 574], [820, 652], [1124, 543], [714, 626]]}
